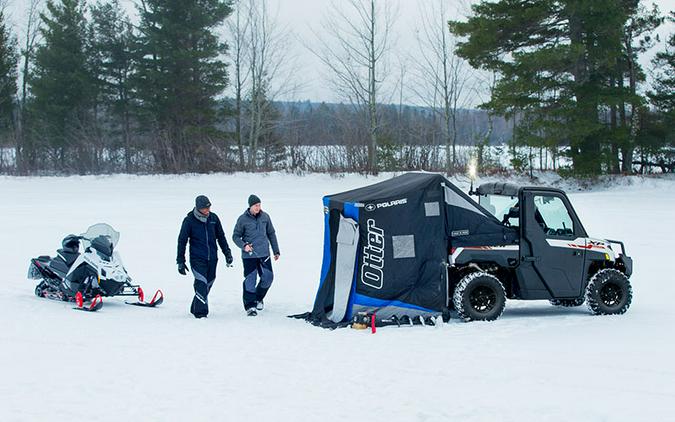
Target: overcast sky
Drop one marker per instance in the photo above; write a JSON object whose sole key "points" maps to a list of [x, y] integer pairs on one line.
{"points": [[304, 19]]}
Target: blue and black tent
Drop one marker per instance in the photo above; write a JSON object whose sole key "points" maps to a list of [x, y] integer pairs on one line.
{"points": [[386, 247]]}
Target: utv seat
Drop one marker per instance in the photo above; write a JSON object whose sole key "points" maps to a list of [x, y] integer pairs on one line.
{"points": [[514, 212]]}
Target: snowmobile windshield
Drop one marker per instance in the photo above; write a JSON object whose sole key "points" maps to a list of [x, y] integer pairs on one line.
{"points": [[100, 229], [501, 206], [102, 245]]}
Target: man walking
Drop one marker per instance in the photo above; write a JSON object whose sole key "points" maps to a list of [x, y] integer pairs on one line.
{"points": [[202, 228], [254, 233]]}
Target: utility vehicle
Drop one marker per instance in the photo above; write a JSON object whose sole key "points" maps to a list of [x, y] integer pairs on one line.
{"points": [[552, 257]]}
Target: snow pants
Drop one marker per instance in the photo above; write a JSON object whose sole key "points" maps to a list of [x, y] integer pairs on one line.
{"points": [[254, 291], [205, 274]]}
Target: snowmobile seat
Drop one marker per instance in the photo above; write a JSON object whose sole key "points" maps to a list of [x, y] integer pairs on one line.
{"points": [[70, 250], [58, 266], [67, 256]]}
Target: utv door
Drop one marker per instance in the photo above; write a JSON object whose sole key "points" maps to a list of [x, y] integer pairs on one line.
{"points": [[549, 264]]}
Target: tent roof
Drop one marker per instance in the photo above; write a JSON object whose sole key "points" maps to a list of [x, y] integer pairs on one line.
{"points": [[399, 185]]}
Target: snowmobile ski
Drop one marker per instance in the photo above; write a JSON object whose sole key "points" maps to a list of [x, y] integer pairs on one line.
{"points": [[95, 304], [157, 299]]}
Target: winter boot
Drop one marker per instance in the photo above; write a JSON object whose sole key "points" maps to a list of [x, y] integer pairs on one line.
{"points": [[260, 305], [251, 312]]}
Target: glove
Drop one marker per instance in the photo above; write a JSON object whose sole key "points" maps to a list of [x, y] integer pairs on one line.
{"points": [[229, 260], [182, 268]]}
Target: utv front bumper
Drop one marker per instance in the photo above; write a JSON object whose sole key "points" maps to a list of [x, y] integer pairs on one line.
{"points": [[624, 259], [628, 263]]}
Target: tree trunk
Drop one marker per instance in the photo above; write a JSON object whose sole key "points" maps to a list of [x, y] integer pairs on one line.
{"points": [[372, 96], [585, 146]]}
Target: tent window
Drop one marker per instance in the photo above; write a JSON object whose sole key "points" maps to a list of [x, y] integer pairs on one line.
{"points": [[432, 209], [452, 198], [403, 246]]}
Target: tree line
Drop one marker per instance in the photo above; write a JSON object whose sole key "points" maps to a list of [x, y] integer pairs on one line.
{"points": [[195, 86]]}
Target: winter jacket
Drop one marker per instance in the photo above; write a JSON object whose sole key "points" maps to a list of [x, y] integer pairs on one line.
{"points": [[203, 237], [258, 231]]}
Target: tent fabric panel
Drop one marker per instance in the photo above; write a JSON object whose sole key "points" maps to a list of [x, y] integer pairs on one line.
{"points": [[345, 262], [323, 302], [325, 264], [415, 279], [454, 200], [469, 224], [352, 211], [371, 304]]}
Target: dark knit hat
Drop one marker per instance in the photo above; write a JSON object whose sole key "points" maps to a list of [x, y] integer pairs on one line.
{"points": [[202, 202], [252, 200]]}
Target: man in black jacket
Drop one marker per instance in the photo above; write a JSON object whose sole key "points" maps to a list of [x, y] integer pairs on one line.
{"points": [[202, 228], [254, 233]]}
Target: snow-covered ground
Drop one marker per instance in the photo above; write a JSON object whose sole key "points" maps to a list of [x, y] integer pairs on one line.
{"points": [[536, 363]]}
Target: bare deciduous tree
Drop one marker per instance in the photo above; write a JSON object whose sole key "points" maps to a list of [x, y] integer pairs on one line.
{"points": [[354, 43], [30, 35], [237, 30], [444, 80], [264, 68]]}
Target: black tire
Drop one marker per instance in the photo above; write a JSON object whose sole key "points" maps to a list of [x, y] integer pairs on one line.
{"points": [[609, 293], [568, 303], [479, 296]]}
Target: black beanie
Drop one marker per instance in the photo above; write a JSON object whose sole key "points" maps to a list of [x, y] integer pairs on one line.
{"points": [[252, 200], [202, 202]]}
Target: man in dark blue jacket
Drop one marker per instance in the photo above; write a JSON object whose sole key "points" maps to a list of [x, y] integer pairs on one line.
{"points": [[202, 228], [254, 233]]}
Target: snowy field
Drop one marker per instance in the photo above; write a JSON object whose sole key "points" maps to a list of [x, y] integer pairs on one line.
{"points": [[536, 363]]}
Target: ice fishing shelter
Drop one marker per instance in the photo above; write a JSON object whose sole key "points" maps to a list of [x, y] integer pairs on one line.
{"points": [[386, 247]]}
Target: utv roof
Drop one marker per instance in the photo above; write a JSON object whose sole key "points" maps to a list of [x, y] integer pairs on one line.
{"points": [[509, 189], [496, 188]]}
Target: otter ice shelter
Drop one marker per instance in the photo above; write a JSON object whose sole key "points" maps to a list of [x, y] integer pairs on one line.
{"points": [[386, 247]]}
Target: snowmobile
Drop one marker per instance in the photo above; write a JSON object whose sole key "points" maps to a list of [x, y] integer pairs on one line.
{"points": [[84, 278]]}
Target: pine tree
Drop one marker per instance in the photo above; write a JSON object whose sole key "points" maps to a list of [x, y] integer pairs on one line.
{"points": [[554, 58], [663, 95], [112, 51], [180, 73], [661, 139], [62, 82], [625, 102], [8, 86]]}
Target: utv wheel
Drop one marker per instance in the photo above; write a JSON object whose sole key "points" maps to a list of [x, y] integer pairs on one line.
{"points": [[609, 293], [479, 296], [568, 303]]}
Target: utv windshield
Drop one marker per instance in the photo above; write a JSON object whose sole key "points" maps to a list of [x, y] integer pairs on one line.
{"points": [[500, 206], [100, 229]]}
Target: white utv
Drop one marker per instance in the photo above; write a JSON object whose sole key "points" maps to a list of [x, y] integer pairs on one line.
{"points": [[551, 258]]}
